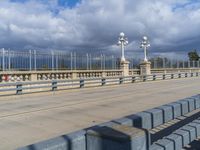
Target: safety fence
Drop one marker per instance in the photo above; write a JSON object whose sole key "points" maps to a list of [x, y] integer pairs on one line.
{"points": [[32, 60]]}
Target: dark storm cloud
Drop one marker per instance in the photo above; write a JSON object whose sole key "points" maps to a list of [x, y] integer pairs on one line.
{"points": [[171, 25]]}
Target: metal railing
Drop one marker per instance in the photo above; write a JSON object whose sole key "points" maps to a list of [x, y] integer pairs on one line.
{"points": [[22, 87]]}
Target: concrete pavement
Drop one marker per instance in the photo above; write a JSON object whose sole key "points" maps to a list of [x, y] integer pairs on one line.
{"points": [[27, 119]]}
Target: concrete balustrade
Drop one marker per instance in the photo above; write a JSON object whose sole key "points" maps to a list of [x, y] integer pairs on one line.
{"points": [[14, 76]]}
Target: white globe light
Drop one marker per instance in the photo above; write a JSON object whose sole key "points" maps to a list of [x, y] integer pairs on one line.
{"points": [[122, 34], [145, 38]]}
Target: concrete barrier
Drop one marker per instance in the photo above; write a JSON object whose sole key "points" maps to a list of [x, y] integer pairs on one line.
{"points": [[176, 109], [157, 117], [123, 121], [132, 132], [184, 106], [191, 104], [72, 141], [166, 144], [117, 137], [141, 120], [177, 140], [167, 113], [197, 101]]}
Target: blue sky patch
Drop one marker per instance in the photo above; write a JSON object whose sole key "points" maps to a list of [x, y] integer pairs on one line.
{"points": [[62, 3]]}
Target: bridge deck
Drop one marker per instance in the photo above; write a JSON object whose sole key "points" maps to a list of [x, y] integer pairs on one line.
{"points": [[31, 118]]}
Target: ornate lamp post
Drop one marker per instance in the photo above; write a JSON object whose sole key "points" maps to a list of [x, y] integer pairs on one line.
{"points": [[145, 44], [123, 41]]}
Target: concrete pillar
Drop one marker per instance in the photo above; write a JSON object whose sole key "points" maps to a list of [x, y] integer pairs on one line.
{"points": [[104, 74], [145, 68], [34, 77], [124, 66], [74, 75]]}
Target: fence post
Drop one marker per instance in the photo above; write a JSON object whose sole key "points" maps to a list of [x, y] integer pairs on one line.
{"points": [[144, 78], [52, 60], [54, 85], [186, 75], [18, 88], [35, 60], [30, 65], [71, 61], [103, 81], [87, 62], [188, 64], [163, 76], [133, 79], [172, 76], [191, 74], [9, 62], [121, 80], [179, 75], [82, 84], [154, 77], [3, 59]]}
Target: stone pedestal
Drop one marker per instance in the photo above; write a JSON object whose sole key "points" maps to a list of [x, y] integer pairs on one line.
{"points": [[34, 77], [124, 66], [145, 68]]}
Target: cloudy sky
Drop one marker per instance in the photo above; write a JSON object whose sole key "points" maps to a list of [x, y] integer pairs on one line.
{"points": [[171, 25]]}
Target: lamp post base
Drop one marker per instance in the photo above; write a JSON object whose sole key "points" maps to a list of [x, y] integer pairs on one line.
{"points": [[145, 68], [124, 66]]}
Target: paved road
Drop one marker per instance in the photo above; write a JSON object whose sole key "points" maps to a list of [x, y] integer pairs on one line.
{"points": [[30, 118]]}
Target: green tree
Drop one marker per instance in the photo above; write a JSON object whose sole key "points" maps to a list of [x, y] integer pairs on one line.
{"points": [[193, 55]]}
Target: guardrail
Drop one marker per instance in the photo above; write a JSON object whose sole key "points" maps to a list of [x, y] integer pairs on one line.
{"points": [[168, 127], [27, 87]]}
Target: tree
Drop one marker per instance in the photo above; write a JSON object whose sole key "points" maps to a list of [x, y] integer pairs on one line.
{"points": [[193, 55]]}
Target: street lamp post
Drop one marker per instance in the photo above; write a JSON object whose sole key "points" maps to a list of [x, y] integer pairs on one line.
{"points": [[123, 41], [145, 44]]}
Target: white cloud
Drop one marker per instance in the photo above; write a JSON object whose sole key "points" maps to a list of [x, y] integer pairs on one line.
{"points": [[170, 24]]}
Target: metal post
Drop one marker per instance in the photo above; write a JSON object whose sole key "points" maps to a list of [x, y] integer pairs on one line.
{"points": [[154, 64], [3, 59], [101, 62], [35, 60], [171, 63], [112, 61], [71, 63], [75, 60], [90, 62], [57, 61], [164, 63], [52, 60], [9, 61], [104, 62], [87, 61], [177, 64], [30, 61]]}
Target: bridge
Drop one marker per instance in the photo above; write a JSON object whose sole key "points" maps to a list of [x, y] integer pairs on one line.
{"points": [[79, 109], [30, 118]]}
